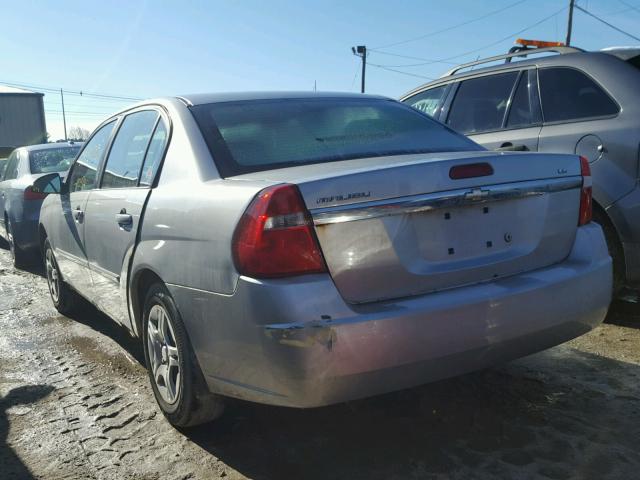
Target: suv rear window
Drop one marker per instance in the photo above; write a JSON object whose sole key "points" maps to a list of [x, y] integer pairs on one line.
{"points": [[568, 94], [256, 135]]}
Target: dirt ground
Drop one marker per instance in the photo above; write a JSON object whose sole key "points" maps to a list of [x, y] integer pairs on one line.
{"points": [[75, 404]]}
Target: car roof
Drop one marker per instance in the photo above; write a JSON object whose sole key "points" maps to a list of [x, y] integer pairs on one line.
{"points": [[204, 98], [48, 146]]}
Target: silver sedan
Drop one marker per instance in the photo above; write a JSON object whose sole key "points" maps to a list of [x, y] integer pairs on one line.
{"points": [[303, 249]]}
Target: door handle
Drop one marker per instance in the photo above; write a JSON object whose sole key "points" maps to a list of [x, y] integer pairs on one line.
{"points": [[510, 147], [78, 215], [124, 219]]}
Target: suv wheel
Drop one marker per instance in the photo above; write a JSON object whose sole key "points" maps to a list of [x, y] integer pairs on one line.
{"points": [[175, 376]]}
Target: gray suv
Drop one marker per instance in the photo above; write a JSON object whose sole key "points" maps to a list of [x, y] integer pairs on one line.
{"points": [[563, 100]]}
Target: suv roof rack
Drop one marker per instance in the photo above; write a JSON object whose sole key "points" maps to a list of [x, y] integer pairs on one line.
{"points": [[520, 52]]}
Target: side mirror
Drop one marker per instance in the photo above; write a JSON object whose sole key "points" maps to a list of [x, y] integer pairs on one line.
{"points": [[50, 183]]}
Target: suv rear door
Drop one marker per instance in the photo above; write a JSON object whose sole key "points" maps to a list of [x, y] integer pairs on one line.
{"points": [[499, 111], [578, 115], [114, 210]]}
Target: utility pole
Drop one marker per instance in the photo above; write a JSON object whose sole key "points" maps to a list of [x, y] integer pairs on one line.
{"points": [[570, 22], [64, 117], [361, 51]]}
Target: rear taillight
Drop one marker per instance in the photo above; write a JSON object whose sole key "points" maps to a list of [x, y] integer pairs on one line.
{"points": [[586, 201], [275, 236], [31, 194]]}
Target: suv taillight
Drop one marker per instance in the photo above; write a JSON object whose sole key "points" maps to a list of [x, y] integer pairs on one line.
{"points": [[275, 236], [586, 202]]}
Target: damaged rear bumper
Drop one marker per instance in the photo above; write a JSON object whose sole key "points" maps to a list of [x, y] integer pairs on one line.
{"points": [[297, 343]]}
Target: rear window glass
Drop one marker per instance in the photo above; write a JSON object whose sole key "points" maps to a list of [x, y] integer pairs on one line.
{"points": [[250, 136], [52, 159], [521, 112], [568, 94], [429, 101], [480, 103]]}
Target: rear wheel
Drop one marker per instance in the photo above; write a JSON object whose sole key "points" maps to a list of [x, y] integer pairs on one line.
{"points": [[176, 379], [64, 298], [18, 256]]}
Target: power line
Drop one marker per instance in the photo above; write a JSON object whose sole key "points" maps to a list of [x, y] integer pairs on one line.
{"points": [[607, 23], [631, 7], [384, 67], [410, 57], [78, 113], [452, 27], [475, 50], [80, 93]]}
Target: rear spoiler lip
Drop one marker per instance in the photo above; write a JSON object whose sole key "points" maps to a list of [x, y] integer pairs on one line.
{"points": [[448, 199]]}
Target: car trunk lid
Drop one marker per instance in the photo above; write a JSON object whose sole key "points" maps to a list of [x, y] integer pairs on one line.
{"points": [[398, 227]]}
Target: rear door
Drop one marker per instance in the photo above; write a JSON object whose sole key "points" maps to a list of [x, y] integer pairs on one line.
{"points": [[67, 237], [499, 111], [114, 210]]}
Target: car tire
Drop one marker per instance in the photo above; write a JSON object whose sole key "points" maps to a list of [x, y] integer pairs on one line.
{"points": [[615, 250], [176, 379], [63, 297], [18, 256]]}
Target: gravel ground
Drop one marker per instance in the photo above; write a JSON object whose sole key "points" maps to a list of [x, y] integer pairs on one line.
{"points": [[75, 404]]}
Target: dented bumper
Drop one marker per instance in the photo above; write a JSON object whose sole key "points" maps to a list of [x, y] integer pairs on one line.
{"points": [[295, 342]]}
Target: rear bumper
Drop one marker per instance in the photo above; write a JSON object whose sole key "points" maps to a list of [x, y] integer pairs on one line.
{"points": [[297, 343]]}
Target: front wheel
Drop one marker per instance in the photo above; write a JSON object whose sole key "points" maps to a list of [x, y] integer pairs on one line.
{"points": [[175, 376]]}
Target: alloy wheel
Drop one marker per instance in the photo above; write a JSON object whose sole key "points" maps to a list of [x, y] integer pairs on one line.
{"points": [[164, 357], [53, 276]]}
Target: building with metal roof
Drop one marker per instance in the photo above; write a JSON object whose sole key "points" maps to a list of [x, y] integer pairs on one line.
{"points": [[22, 120]]}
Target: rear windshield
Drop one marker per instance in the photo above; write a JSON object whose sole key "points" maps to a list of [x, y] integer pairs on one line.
{"points": [[256, 135], [52, 159]]}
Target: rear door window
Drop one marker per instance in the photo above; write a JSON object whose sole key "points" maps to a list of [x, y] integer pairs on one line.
{"points": [[568, 94], [480, 103], [154, 154], [428, 101], [126, 157], [83, 174], [522, 112]]}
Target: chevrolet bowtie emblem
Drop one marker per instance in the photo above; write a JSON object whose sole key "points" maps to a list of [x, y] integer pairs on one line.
{"points": [[476, 194]]}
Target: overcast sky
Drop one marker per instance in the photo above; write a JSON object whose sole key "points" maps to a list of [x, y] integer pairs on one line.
{"points": [[144, 48]]}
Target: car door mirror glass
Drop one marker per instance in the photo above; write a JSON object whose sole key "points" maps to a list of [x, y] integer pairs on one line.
{"points": [[50, 183]]}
